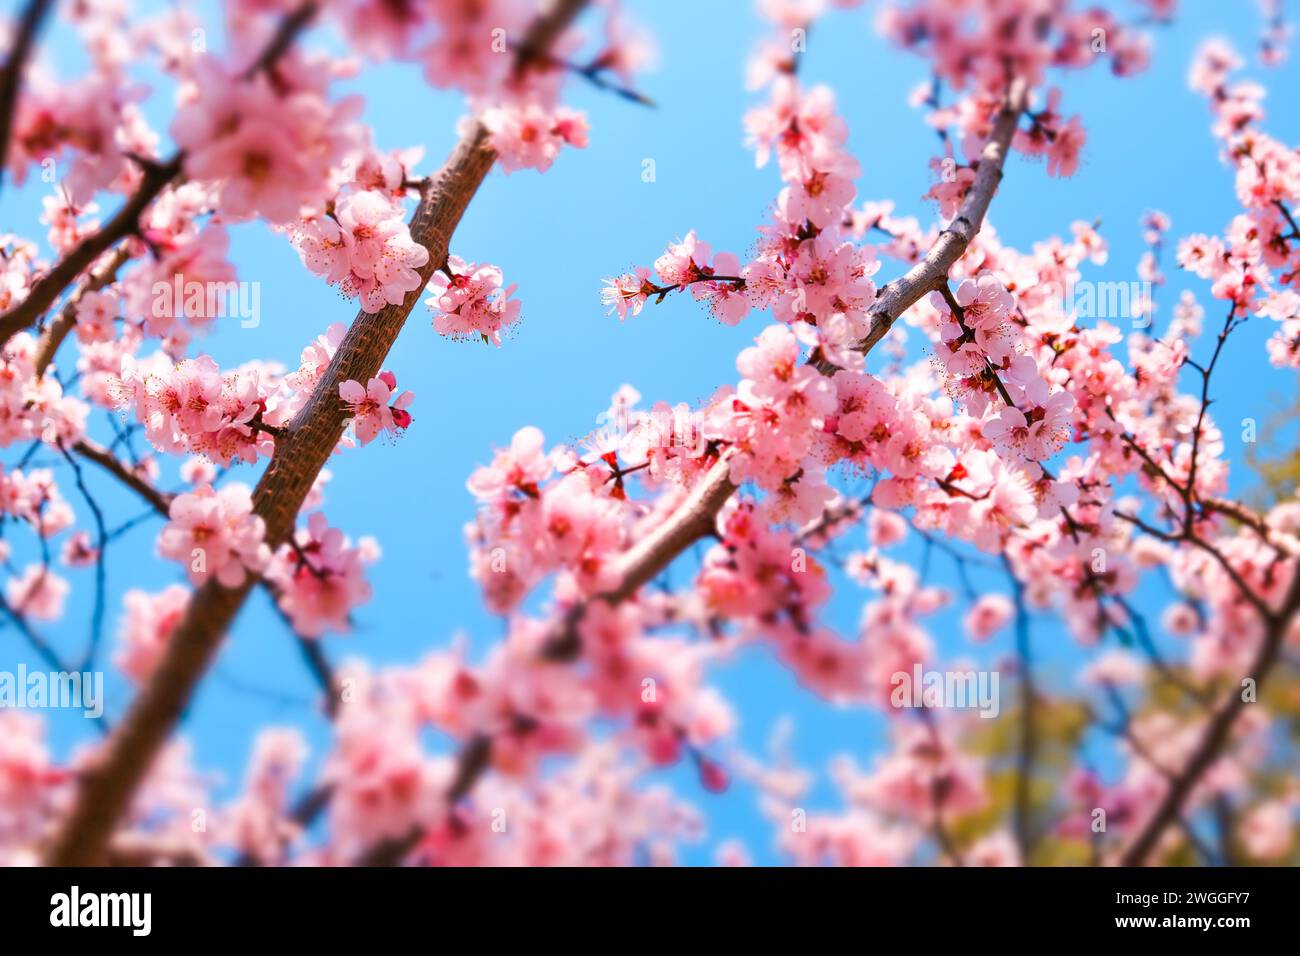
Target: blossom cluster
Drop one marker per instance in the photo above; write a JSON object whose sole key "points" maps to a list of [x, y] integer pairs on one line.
{"points": [[468, 299], [214, 534]]}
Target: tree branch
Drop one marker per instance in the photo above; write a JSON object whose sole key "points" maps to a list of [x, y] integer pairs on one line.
{"points": [[118, 770], [12, 76], [926, 276], [66, 321], [101, 456]]}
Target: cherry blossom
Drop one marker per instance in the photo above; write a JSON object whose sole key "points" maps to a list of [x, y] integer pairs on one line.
{"points": [[214, 533], [37, 592], [319, 577], [147, 625], [987, 616], [924, 437], [365, 248], [530, 136], [369, 407], [469, 299]]}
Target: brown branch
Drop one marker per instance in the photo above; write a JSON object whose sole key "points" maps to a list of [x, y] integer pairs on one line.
{"points": [[160, 500], [1187, 535], [1252, 520], [66, 321], [1295, 228], [313, 653], [314, 656], [38, 643], [12, 76], [118, 770], [927, 275], [818, 529], [286, 32], [696, 515]]}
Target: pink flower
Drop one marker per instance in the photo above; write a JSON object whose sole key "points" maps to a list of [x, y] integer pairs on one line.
{"points": [[195, 407], [319, 578], [29, 779], [995, 849], [215, 534], [198, 471], [38, 592], [259, 169], [147, 627], [1035, 440], [315, 358], [1181, 619], [268, 154], [88, 125], [988, 615], [952, 185], [530, 136], [820, 197], [369, 408], [1007, 504], [521, 467], [261, 819], [1115, 668], [885, 528], [323, 249], [906, 781], [628, 292], [1063, 151], [96, 313], [713, 775], [984, 301], [163, 294], [1266, 831], [365, 248], [79, 551], [799, 501], [684, 261], [800, 127], [35, 497], [1039, 423], [471, 301], [727, 300]]}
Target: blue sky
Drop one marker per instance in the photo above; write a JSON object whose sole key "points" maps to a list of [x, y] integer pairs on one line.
{"points": [[593, 215]]}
